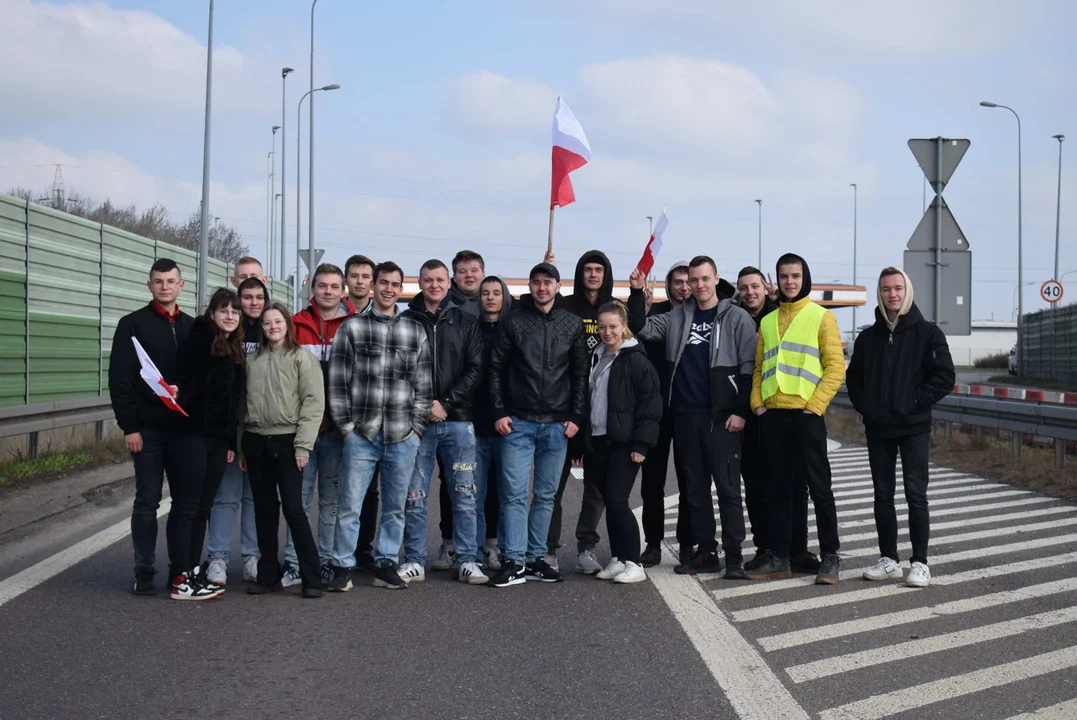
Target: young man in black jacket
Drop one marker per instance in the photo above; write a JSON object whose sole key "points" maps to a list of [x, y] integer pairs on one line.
{"points": [[150, 429], [900, 368], [538, 387]]}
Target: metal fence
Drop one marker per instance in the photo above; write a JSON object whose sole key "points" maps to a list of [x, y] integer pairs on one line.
{"points": [[64, 284], [1050, 344]]}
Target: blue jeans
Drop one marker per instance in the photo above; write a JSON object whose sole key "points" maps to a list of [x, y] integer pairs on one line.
{"points": [[487, 467], [233, 494], [397, 461], [323, 467], [455, 443], [523, 534]]}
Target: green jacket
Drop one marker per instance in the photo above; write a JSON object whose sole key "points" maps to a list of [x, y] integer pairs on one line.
{"points": [[285, 395]]}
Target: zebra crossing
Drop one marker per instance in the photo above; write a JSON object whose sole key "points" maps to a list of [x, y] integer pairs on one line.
{"points": [[994, 636]]}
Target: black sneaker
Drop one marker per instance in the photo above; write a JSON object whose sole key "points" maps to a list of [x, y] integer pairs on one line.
{"points": [[311, 592], [512, 573], [734, 567], [540, 571], [144, 582], [364, 562], [685, 554], [756, 560], [701, 563], [804, 562], [388, 578], [771, 567], [257, 588], [828, 570], [651, 556], [340, 579]]}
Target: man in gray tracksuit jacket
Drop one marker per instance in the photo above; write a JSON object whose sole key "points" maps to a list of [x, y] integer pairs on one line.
{"points": [[710, 346]]}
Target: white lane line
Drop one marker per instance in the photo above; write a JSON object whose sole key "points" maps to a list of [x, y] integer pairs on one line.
{"points": [[51, 566], [865, 480], [918, 696], [984, 520], [765, 586], [948, 487], [1062, 711], [990, 534], [926, 646], [868, 496], [988, 507], [874, 623]]}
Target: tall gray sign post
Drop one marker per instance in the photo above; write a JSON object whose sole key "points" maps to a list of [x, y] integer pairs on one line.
{"points": [[938, 260]]}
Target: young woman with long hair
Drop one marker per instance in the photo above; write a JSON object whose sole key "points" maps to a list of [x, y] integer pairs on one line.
{"points": [[285, 404]]}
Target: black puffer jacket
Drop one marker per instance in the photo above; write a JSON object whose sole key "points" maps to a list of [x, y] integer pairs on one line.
{"points": [[633, 400], [456, 352], [211, 388], [538, 366], [894, 379], [482, 413]]}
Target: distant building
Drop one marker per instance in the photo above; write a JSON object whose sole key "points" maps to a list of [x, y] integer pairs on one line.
{"points": [[989, 337]]}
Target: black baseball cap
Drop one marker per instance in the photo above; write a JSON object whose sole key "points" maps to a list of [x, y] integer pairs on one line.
{"points": [[546, 268]]}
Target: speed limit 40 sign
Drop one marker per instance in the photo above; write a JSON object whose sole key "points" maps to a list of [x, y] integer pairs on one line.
{"points": [[1051, 291]]}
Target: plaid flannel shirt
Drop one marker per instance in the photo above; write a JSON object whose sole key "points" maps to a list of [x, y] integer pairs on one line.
{"points": [[380, 377]]}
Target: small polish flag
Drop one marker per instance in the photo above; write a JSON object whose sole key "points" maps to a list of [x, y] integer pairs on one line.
{"points": [[654, 244], [570, 151], [154, 379]]}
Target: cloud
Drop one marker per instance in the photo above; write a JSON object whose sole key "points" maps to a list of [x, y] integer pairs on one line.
{"points": [[488, 102]]}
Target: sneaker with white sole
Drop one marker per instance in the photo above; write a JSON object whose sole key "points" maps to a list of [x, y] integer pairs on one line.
{"points": [[446, 557], [615, 568], [250, 569], [491, 557], [217, 572], [189, 586], [885, 569], [633, 573], [919, 576], [551, 560], [290, 576], [471, 574], [411, 572], [587, 563]]}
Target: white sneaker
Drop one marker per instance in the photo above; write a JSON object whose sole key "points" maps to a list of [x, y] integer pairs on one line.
{"points": [[411, 572], [615, 568], [632, 573], [290, 578], [471, 574], [217, 572], [885, 569], [551, 560], [250, 569], [446, 558], [587, 563], [919, 577], [492, 557]]}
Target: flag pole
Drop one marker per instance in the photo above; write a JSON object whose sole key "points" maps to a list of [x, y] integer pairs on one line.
{"points": [[549, 239]]}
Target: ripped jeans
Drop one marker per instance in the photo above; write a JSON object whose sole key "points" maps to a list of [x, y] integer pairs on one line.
{"points": [[454, 442]]}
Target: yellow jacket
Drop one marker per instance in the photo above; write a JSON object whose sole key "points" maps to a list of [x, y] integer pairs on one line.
{"points": [[830, 354]]}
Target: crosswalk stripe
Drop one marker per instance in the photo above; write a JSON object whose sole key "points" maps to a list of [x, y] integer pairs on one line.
{"points": [[983, 520], [948, 487], [870, 499], [989, 534], [1062, 711], [925, 646], [865, 480], [804, 636], [910, 698]]}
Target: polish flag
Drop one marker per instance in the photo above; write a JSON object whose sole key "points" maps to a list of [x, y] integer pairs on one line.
{"points": [[570, 151], [654, 244], [154, 379]]}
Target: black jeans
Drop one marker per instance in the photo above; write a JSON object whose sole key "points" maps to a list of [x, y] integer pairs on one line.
{"points": [[613, 472], [201, 467], [368, 518], [707, 451], [590, 513], [272, 470], [653, 489], [755, 470], [882, 455], [161, 453], [796, 449]]}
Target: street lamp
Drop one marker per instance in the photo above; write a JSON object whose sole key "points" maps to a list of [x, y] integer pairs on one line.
{"points": [[283, 161], [650, 225], [854, 253], [1058, 206], [760, 204], [203, 243], [310, 158], [270, 227], [298, 147], [1013, 307], [1020, 253]]}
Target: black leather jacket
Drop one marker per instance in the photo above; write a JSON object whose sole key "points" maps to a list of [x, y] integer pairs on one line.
{"points": [[456, 349]]}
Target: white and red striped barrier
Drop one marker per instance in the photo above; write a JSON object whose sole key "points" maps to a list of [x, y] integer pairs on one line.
{"points": [[1014, 393]]}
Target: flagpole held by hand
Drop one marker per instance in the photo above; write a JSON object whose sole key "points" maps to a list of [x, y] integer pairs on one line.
{"points": [[549, 239]]}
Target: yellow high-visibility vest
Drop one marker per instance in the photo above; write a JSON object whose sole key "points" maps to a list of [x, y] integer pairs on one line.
{"points": [[791, 362]]}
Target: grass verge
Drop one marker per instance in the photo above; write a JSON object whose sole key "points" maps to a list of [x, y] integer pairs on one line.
{"points": [[57, 464]]}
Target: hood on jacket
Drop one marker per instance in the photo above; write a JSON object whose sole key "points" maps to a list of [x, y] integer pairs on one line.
{"points": [[605, 293], [418, 303], [472, 305], [906, 304], [805, 288], [630, 344], [679, 265], [507, 301]]}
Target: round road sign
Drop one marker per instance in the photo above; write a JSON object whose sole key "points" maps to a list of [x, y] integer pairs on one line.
{"points": [[1051, 291]]}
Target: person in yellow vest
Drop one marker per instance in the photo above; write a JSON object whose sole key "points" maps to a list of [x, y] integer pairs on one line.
{"points": [[799, 366]]}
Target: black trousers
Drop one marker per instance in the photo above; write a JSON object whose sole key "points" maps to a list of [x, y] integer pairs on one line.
{"points": [[653, 489], [368, 518], [162, 453], [276, 484], [613, 472], [882, 456], [707, 451], [200, 468], [590, 512], [755, 470], [796, 448]]}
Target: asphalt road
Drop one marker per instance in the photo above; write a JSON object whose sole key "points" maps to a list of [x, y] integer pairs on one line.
{"points": [[994, 637]]}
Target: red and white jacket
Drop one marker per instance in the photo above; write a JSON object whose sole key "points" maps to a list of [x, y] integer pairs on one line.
{"points": [[316, 335]]}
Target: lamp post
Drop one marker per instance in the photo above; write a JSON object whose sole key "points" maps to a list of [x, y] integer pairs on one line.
{"points": [[1020, 253], [203, 243], [650, 225], [854, 253], [283, 161], [310, 153], [1058, 206], [760, 204], [272, 194], [298, 177]]}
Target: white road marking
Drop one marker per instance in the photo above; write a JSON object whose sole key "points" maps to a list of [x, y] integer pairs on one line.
{"points": [[1062, 711], [948, 487]]}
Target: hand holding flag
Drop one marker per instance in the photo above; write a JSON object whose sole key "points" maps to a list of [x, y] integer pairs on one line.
{"points": [[155, 380], [654, 244]]}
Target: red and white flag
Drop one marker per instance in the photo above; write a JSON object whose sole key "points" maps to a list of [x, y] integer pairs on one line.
{"points": [[570, 151], [654, 244], [154, 379]]}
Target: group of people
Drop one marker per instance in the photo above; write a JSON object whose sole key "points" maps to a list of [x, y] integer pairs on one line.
{"points": [[505, 396]]}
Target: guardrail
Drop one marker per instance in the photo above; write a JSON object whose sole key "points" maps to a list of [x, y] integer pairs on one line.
{"points": [[1017, 417], [32, 419]]}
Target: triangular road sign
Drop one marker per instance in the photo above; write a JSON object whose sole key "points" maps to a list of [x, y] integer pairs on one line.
{"points": [[924, 150], [923, 238], [305, 256]]}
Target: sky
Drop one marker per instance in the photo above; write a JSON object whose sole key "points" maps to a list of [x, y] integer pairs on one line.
{"points": [[439, 138]]}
